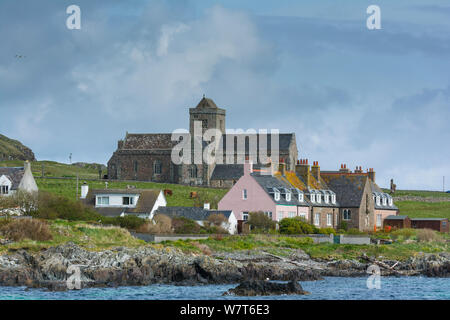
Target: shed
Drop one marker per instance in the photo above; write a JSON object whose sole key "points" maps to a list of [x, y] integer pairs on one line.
{"points": [[397, 222], [438, 224]]}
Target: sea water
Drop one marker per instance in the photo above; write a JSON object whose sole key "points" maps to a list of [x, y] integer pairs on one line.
{"points": [[336, 288]]}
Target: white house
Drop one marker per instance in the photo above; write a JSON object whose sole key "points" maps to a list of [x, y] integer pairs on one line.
{"points": [[17, 179], [200, 215], [124, 202]]}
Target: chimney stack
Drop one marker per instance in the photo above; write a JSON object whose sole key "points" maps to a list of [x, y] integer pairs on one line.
{"points": [[371, 174], [358, 169], [248, 166], [84, 190], [315, 170], [344, 168], [302, 170]]}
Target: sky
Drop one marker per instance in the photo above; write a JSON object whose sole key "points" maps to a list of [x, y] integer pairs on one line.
{"points": [[372, 98]]}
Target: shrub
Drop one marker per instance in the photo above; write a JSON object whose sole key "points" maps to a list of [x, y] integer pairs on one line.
{"points": [[343, 225], [206, 197], [127, 222], [427, 235], [20, 229], [354, 231], [217, 219], [296, 226], [327, 231], [406, 233], [161, 224], [260, 222], [203, 248], [182, 225]]}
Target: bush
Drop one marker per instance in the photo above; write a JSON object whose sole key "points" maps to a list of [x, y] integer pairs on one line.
{"points": [[20, 229], [161, 224], [260, 222], [354, 231], [343, 225], [428, 235], [217, 219], [327, 231], [296, 226], [182, 225], [405, 234]]}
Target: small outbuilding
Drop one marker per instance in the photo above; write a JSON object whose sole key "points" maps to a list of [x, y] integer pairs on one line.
{"points": [[397, 222], [437, 224]]}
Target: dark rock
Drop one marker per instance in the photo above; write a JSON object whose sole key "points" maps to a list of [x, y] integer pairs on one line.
{"points": [[266, 288]]}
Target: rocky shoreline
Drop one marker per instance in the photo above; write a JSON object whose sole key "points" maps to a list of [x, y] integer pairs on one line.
{"points": [[148, 265]]}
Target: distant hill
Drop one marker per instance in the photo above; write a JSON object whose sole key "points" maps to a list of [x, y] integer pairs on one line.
{"points": [[14, 150]]}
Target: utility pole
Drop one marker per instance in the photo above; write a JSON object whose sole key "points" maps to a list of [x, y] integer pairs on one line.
{"points": [[443, 184], [70, 158]]}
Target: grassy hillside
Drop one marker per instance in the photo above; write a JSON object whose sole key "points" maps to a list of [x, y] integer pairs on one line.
{"points": [[423, 204], [55, 169], [180, 197], [14, 150]]}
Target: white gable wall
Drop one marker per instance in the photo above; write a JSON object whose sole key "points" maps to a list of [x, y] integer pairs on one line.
{"points": [[160, 202], [4, 181]]}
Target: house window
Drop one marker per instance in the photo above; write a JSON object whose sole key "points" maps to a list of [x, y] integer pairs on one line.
{"points": [[102, 201], [193, 171], [329, 219], [390, 202], [245, 216], [319, 198], [204, 124], [317, 219], [327, 198], [384, 201], [4, 190], [378, 201], [300, 197], [333, 198], [244, 194], [157, 167], [378, 220], [291, 214], [277, 196], [313, 197], [269, 214], [303, 215], [347, 214], [128, 201]]}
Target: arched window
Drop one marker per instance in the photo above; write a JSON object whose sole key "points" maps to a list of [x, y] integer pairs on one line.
{"points": [[347, 214]]}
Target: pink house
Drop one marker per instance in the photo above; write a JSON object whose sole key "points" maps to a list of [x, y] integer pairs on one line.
{"points": [[267, 193]]}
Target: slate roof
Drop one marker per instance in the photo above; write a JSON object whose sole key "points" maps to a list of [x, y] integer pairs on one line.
{"points": [[145, 204], [14, 174], [147, 141], [396, 217], [349, 189], [377, 190], [285, 140], [269, 182], [206, 103], [194, 213], [228, 172]]}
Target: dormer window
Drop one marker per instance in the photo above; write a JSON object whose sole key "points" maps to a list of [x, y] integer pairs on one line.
{"points": [[319, 198], [378, 201], [384, 201], [277, 196], [300, 197], [391, 202], [333, 198], [288, 196], [313, 197], [327, 198]]}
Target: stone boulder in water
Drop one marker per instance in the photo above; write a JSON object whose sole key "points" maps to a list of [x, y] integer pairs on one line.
{"points": [[266, 288]]}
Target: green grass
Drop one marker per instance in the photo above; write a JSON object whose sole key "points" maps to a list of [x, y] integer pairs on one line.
{"points": [[180, 197], [88, 236], [417, 209], [55, 169], [283, 246], [420, 193]]}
